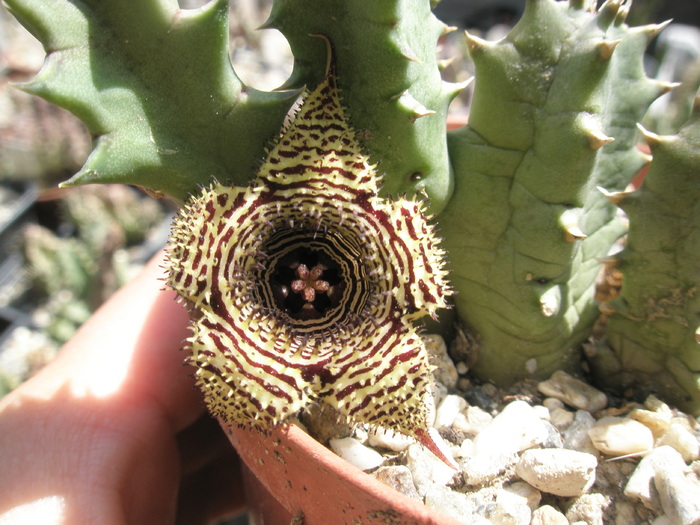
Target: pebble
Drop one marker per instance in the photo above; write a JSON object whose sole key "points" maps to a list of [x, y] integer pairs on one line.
{"points": [[450, 407], [576, 435], [355, 453], [399, 478], [465, 509], [548, 515], [520, 492], [542, 412], [557, 471], [573, 392], [640, 485], [509, 513], [426, 469], [554, 439], [684, 441], [561, 418], [386, 439], [679, 495], [516, 428], [620, 436], [472, 420], [552, 403], [654, 404], [444, 370], [589, 509], [657, 422], [625, 513]]}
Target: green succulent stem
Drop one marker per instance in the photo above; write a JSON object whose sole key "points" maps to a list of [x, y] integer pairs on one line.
{"points": [[653, 336], [554, 115]]}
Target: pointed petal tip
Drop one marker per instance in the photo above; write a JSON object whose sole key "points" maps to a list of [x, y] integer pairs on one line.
{"points": [[427, 439]]}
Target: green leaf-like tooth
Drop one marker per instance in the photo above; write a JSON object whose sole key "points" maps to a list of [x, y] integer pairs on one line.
{"points": [[155, 86], [306, 284]]}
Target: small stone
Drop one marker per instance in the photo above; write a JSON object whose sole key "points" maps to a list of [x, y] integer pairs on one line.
{"points": [[479, 469], [516, 428], [548, 515], [456, 505], [576, 435], [681, 439], [625, 513], [463, 384], [557, 471], [589, 509], [552, 403], [361, 434], [657, 422], [400, 479], [382, 438], [450, 407], [640, 485], [542, 412], [466, 449], [520, 492], [356, 453], [444, 368], [324, 423], [573, 392], [462, 367], [553, 439], [679, 495], [561, 418], [510, 513], [531, 366], [654, 404], [426, 469], [620, 436], [489, 390], [472, 420]]}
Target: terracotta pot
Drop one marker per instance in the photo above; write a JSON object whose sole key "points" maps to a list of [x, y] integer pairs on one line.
{"points": [[288, 473]]}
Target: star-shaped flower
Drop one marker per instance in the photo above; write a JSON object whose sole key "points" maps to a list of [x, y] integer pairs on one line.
{"points": [[306, 284]]}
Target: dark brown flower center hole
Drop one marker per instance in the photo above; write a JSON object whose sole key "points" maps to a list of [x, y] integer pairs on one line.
{"points": [[306, 283]]}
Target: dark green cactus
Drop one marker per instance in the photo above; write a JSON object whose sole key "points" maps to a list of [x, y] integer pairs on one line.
{"points": [[553, 116], [653, 336]]}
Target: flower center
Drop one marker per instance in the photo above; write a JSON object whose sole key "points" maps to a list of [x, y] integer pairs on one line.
{"points": [[306, 283], [309, 282]]}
